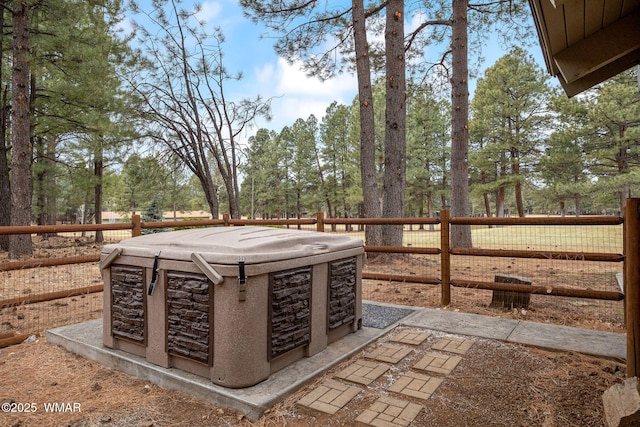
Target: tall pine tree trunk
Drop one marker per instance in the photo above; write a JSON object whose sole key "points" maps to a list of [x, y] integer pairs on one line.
{"points": [[98, 173], [623, 166], [21, 150], [44, 181], [500, 193], [395, 123], [323, 184], [371, 201], [460, 234], [500, 202], [427, 195], [430, 209], [211, 195], [5, 183], [515, 172]]}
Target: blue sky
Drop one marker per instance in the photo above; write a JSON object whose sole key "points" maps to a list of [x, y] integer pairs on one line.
{"points": [[294, 94]]}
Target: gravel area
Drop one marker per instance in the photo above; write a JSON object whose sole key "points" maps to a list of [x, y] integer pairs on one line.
{"points": [[381, 316]]}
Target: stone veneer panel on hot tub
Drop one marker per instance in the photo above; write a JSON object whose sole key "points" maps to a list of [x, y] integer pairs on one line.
{"points": [[188, 315], [128, 298], [342, 292], [290, 310]]}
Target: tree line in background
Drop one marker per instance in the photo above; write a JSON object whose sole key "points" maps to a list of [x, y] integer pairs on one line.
{"points": [[78, 95], [327, 38], [64, 115], [531, 150]]}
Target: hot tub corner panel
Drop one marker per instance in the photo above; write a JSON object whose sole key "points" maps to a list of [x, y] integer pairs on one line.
{"points": [[240, 341]]}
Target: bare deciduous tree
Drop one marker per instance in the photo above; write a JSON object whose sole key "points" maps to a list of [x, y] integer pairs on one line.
{"points": [[183, 88]]}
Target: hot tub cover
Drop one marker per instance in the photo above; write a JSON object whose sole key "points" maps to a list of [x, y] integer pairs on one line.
{"points": [[223, 245]]}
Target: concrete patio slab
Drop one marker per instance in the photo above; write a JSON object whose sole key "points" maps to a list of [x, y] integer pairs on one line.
{"points": [[462, 323], [85, 339], [596, 343], [552, 337]]}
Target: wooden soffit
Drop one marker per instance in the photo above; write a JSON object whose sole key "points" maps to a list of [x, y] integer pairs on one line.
{"points": [[585, 42]]}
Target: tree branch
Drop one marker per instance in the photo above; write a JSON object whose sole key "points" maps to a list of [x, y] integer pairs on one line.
{"points": [[422, 26]]}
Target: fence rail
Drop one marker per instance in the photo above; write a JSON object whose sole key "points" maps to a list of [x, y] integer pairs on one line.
{"points": [[540, 290], [583, 220], [563, 255], [445, 250]]}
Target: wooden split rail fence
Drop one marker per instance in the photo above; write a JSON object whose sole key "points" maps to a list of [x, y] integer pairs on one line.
{"points": [[631, 257], [445, 251]]}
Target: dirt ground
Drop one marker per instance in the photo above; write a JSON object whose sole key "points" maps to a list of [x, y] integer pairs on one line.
{"points": [[576, 312], [496, 384]]}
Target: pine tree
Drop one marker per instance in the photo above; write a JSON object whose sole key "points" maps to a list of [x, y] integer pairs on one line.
{"points": [[562, 166], [613, 145], [21, 150], [510, 107], [428, 139]]}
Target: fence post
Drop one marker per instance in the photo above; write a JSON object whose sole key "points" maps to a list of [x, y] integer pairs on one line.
{"points": [[226, 217], [320, 222], [632, 284], [137, 226], [445, 258]]}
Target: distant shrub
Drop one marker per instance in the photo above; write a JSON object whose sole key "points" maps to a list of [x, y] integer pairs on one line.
{"points": [[152, 214]]}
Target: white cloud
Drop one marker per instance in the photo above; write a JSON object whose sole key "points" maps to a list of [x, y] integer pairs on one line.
{"points": [[415, 20], [298, 95], [294, 80], [209, 11], [265, 74]]}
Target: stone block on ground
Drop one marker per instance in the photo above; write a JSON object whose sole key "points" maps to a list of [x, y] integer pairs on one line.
{"points": [[510, 299], [622, 404]]}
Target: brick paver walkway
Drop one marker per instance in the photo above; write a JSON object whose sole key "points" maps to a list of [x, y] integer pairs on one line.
{"points": [[416, 385], [437, 363], [453, 345], [389, 353], [363, 372], [388, 411], [330, 396], [411, 337]]}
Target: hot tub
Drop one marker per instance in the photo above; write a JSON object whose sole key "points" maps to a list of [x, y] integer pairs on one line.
{"points": [[233, 304]]}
